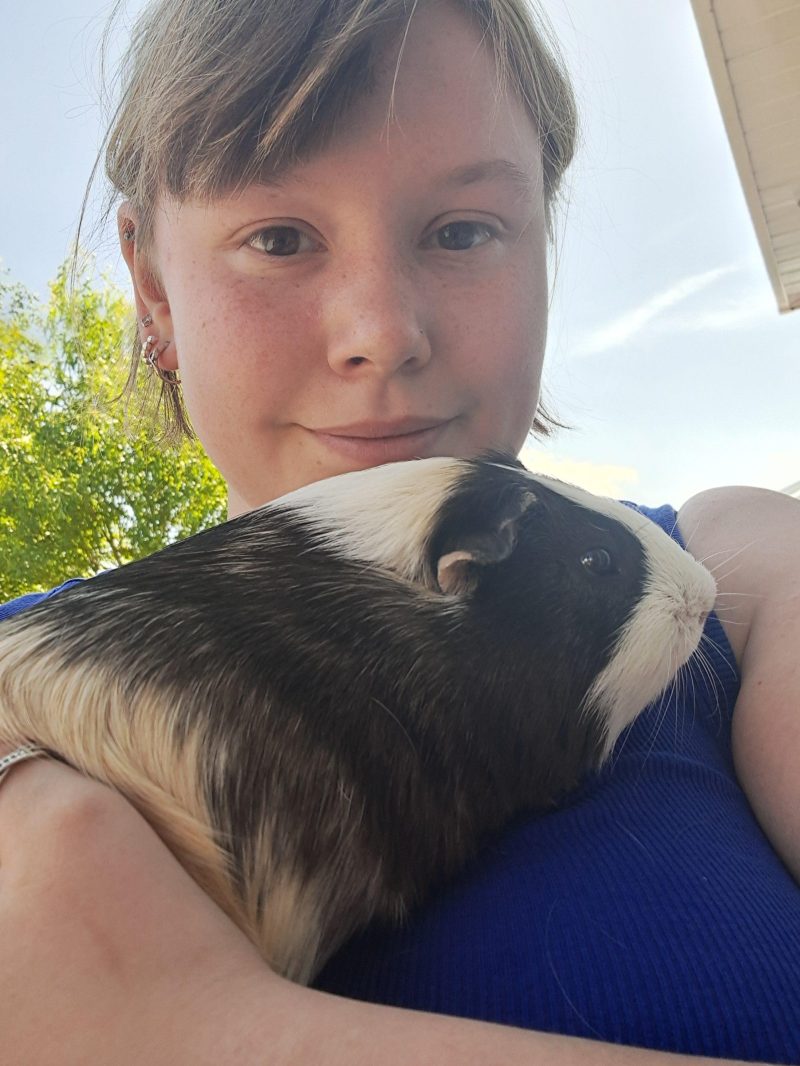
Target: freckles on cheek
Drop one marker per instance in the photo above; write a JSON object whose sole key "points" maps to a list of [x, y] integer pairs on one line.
{"points": [[270, 327]]}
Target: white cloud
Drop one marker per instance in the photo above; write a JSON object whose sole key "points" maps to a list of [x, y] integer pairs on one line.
{"points": [[603, 479], [751, 309], [619, 330]]}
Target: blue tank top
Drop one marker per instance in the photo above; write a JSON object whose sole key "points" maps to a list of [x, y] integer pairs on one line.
{"points": [[649, 909]]}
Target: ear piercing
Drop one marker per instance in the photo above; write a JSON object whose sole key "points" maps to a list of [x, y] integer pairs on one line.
{"points": [[150, 353], [128, 232]]}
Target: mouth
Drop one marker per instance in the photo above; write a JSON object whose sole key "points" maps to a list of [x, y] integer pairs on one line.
{"points": [[372, 443]]}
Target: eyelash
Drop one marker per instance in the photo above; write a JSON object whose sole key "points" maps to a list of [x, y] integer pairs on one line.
{"points": [[491, 231]]}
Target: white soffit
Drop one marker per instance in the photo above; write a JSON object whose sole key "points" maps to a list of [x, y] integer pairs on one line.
{"points": [[753, 53]]}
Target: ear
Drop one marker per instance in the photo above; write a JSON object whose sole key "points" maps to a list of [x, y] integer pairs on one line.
{"points": [[473, 550], [147, 290]]}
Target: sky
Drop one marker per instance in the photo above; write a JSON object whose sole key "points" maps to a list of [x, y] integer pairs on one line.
{"points": [[667, 356]]}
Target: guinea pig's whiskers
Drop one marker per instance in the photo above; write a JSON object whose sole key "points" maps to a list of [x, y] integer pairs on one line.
{"points": [[616, 753], [724, 577], [731, 555], [730, 621], [660, 712], [714, 687], [749, 595], [726, 659], [734, 606], [704, 660], [689, 682], [706, 672], [693, 678], [728, 552], [720, 651], [688, 539], [660, 720]]}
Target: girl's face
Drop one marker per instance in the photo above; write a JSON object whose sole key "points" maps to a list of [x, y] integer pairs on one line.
{"points": [[385, 300]]}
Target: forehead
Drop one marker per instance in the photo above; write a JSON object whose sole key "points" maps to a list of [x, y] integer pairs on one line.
{"points": [[434, 117], [436, 81]]}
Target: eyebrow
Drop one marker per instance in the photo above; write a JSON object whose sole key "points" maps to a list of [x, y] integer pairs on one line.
{"points": [[469, 174], [491, 170]]}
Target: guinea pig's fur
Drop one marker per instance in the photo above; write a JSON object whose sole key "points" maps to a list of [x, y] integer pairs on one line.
{"points": [[324, 706]]}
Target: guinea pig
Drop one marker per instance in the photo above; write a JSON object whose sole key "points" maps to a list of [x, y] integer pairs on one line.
{"points": [[326, 705]]}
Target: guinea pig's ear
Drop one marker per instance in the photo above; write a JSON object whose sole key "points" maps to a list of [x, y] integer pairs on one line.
{"points": [[472, 550]]}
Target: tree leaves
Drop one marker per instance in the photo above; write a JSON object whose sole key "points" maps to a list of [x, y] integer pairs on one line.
{"points": [[81, 490]]}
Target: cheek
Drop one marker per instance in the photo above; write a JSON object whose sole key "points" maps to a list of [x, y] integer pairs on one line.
{"points": [[506, 361], [525, 320], [233, 342]]}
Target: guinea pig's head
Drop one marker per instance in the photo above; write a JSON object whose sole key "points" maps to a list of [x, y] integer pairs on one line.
{"points": [[606, 604], [598, 602]]}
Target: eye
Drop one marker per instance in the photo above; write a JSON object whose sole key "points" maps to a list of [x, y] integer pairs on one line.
{"points": [[598, 561], [277, 241], [461, 234]]}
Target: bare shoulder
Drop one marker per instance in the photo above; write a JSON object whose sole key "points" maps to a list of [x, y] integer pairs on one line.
{"points": [[748, 537]]}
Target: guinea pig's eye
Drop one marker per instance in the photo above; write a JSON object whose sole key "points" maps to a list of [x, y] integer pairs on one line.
{"points": [[598, 561]]}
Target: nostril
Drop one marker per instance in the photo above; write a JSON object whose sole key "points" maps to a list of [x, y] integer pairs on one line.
{"points": [[701, 608], [694, 609]]}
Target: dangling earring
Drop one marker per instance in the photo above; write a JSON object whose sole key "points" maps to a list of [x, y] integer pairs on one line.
{"points": [[170, 401], [150, 354]]}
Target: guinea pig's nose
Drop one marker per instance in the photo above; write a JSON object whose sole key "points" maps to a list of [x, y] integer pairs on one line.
{"points": [[698, 604]]}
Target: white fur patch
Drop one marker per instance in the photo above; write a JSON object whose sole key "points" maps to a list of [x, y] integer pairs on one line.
{"points": [[383, 515]]}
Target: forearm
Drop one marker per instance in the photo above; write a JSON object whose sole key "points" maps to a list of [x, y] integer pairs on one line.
{"points": [[112, 954], [280, 1024]]}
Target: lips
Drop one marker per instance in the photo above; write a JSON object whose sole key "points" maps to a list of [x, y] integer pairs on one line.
{"points": [[381, 430], [370, 443]]}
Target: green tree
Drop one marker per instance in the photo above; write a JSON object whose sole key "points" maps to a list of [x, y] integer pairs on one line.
{"points": [[81, 490]]}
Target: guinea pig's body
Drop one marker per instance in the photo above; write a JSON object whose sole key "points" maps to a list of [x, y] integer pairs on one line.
{"points": [[324, 706]]}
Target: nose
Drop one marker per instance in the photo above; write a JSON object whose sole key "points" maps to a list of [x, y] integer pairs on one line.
{"points": [[376, 320]]}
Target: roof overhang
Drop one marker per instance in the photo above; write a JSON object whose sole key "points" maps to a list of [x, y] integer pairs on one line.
{"points": [[753, 53]]}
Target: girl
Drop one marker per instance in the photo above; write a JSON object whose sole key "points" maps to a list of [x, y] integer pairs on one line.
{"points": [[335, 216]]}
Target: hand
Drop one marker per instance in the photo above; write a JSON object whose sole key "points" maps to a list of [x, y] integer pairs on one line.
{"points": [[109, 950]]}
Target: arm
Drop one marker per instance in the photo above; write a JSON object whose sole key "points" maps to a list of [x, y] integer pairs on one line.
{"points": [[110, 953], [751, 538]]}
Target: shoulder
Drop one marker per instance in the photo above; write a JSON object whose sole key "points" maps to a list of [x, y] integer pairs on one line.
{"points": [[747, 537], [751, 535]]}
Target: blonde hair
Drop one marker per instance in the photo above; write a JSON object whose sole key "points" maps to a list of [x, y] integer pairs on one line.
{"points": [[217, 93]]}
